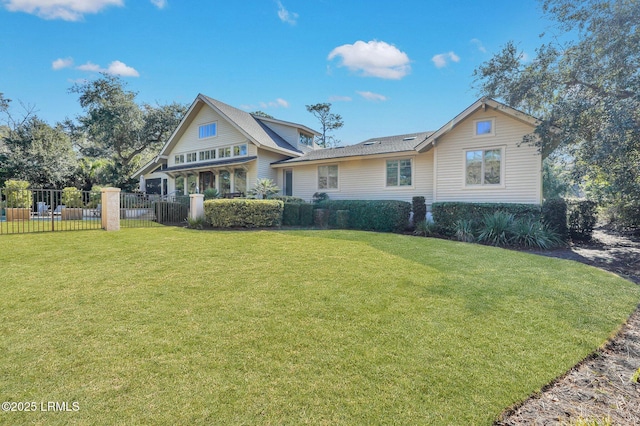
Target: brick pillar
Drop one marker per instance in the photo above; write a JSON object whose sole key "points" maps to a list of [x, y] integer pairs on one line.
{"points": [[111, 209], [196, 204]]}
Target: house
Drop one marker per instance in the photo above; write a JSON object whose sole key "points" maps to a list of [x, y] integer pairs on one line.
{"points": [[219, 146], [476, 157]]}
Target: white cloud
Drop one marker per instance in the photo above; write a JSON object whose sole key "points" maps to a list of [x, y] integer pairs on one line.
{"points": [[90, 67], [160, 4], [285, 15], [479, 45], [441, 60], [61, 63], [278, 103], [373, 59], [370, 96], [68, 10], [120, 68], [337, 98], [114, 68]]}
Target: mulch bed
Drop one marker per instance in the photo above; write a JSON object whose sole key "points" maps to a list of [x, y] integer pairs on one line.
{"points": [[600, 387]]}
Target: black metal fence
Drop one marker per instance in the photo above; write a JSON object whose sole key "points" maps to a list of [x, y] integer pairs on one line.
{"points": [[141, 210], [47, 210], [51, 210]]}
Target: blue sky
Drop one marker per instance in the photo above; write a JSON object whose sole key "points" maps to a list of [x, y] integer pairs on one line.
{"points": [[387, 67]]}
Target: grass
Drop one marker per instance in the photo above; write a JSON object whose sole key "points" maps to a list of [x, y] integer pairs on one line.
{"points": [[168, 325]]}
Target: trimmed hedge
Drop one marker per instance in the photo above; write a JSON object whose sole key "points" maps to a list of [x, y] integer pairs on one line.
{"points": [[291, 214], [446, 214], [374, 215], [419, 208], [306, 214], [286, 199], [243, 213], [554, 215], [582, 219]]}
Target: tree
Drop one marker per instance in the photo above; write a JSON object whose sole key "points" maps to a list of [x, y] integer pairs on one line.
{"points": [[328, 122], [116, 128], [586, 91], [261, 114], [38, 153]]}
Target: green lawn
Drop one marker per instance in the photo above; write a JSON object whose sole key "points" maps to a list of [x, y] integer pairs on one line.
{"points": [[173, 326]]}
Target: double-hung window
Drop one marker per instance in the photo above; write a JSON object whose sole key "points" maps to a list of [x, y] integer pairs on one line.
{"points": [[179, 159], [399, 173], [483, 167], [328, 177], [208, 130]]}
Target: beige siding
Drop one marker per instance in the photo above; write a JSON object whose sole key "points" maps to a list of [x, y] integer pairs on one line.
{"points": [[365, 179], [227, 135], [264, 169], [521, 177], [288, 133]]}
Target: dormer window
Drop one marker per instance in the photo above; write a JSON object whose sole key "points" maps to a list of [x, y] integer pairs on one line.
{"points": [[207, 130], [306, 139]]}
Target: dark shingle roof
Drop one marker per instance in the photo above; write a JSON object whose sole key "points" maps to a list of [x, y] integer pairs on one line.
{"points": [[384, 145], [225, 162]]}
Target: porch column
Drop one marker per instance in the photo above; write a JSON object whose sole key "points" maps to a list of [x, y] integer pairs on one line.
{"points": [[110, 209]]}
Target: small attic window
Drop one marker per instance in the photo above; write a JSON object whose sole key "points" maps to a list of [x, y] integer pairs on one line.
{"points": [[369, 143], [208, 130], [409, 138]]}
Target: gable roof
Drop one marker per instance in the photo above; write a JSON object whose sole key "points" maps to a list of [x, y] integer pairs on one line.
{"points": [[373, 146], [483, 103]]}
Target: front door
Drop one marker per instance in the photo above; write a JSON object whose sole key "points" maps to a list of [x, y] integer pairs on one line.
{"points": [[288, 182]]}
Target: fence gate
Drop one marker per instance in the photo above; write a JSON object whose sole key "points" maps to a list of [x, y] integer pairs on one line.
{"points": [[48, 210], [141, 210]]}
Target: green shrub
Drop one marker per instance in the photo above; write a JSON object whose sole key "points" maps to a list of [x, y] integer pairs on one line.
{"points": [[211, 194], [198, 223], [306, 214], [529, 233], [627, 215], [446, 214], [169, 212], [426, 228], [375, 215], [342, 219], [320, 196], [465, 230], [18, 194], [582, 219], [71, 197], [495, 228], [95, 197], [244, 213], [321, 218], [419, 208], [554, 215], [291, 214]]}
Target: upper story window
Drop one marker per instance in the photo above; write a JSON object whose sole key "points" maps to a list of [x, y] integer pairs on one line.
{"points": [[207, 130], [208, 155], [192, 156], [306, 139], [484, 127], [179, 159], [483, 167], [224, 152], [240, 150], [399, 172], [328, 177]]}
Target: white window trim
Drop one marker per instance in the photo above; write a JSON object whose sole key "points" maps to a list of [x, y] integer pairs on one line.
{"points": [[493, 127], [206, 124], [400, 187], [484, 186], [318, 178]]}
